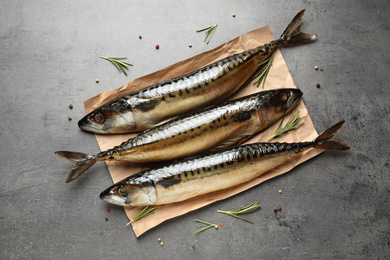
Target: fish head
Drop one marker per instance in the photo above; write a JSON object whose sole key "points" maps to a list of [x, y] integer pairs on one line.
{"points": [[113, 118], [130, 194], [278, 103]]}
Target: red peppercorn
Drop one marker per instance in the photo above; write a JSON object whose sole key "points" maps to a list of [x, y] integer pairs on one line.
{"points": [[157, 46], [140, 36], [108, 210]]}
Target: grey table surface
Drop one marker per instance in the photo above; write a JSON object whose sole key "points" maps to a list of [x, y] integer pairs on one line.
{"points": [[333, 206]]}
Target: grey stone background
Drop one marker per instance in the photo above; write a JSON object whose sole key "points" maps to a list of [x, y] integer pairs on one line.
{"points": [[333, 206]]}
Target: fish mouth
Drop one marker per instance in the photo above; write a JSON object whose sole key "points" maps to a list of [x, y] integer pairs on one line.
{"points": [[110, 197], [296, 95], [86, 125]]}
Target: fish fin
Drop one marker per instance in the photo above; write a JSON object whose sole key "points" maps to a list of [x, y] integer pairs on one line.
{"points": [[166, 183], [293, 36], [79, 169], [83, 163], [73, 157], [323, 140]]}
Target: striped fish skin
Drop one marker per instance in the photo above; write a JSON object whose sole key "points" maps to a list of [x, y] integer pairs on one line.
{"points": [[202, 174], [211, 84], [216, 127]]}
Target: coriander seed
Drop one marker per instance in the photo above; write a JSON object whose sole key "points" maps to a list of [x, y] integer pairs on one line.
{"points": [[161, 243], [69, 118], [97, 80], [316, 67]]}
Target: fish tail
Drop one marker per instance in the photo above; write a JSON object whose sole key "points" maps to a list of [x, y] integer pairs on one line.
{"points": [[293, 36], [82, 163], [323, 140]]}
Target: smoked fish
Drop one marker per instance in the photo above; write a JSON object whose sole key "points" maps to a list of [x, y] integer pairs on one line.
{"points": [[150, 106], [202, 174], [216, 127]]}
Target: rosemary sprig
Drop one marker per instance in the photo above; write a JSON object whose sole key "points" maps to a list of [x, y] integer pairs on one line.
{"points": [[294, 122], [143, 213], [208, 225], [209, 32], [263, 73], [248, 209], [117, 61]]}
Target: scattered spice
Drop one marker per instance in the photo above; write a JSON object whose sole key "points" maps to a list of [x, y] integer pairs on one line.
{"points": [[97, 80], [140, 36], [280, 191], [157, 46], [234, 15], [248, 209], [216, 226], [108, 210], [71, 106], [275, 211], [279, 208], [316, 67], [221, 224], [159, 239], [69, 118], [318, 85], [321, 69], [161, 243], [190, 45], [106, 219]]}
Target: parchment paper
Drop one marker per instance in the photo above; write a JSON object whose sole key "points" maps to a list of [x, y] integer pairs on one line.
{"points": [[278, 77]]}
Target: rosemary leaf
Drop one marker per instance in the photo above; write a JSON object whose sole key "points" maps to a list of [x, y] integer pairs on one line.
{"points": [[204, 222], [209, 32], [143, 213], [203, 228], [119, 64], [245, 210], [294, 122], [263, 73], [236, 216], [208, 225]]}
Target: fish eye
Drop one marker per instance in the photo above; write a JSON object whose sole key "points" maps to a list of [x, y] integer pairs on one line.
{"points": [[284, 97], [99, 118], [122, 191]]}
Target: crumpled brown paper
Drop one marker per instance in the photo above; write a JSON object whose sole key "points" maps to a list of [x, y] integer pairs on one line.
{"points": [[278, 77]]}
